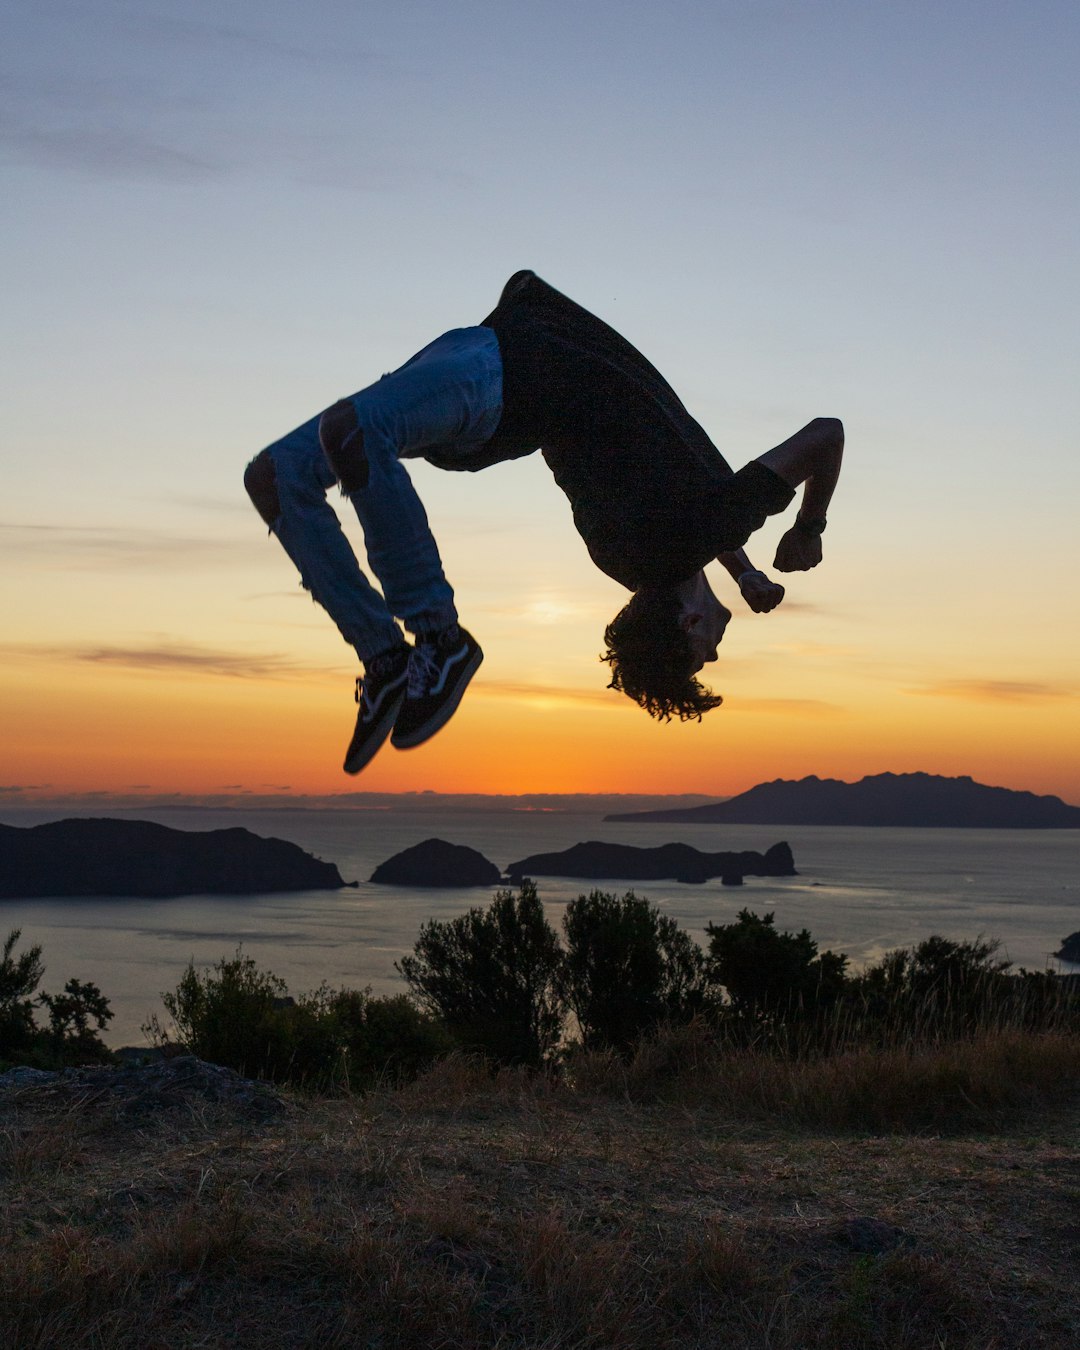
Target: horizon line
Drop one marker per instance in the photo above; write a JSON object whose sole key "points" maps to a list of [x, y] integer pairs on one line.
{"points": [[280, 797]]}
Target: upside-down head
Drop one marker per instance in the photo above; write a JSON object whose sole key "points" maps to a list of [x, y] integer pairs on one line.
{"points": [[655, 654]]}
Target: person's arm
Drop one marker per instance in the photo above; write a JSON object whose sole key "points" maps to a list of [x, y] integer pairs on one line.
{"points": [[757, 590], [812, 457]]}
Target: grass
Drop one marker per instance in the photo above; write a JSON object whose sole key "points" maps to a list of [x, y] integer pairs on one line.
{"points": [[688, 1199], [954, 1084]]}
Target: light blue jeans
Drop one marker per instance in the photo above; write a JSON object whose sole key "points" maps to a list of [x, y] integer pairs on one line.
{"points": [[447, 395]]}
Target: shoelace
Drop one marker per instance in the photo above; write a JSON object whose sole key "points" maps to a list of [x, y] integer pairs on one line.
{"points": [[424, 668], [380, 669], [362, 696]]}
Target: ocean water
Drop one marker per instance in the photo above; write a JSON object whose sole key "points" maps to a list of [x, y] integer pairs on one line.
{"points": [[860, 891]]}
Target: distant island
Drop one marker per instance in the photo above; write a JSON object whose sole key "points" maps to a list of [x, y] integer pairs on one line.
{"points": [[678, 862], [436, 863], [104, 856], [915, 800]]}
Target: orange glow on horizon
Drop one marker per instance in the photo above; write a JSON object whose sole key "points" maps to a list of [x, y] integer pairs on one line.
{"points": [[124, 731]]}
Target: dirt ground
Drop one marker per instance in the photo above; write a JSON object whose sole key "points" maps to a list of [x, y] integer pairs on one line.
{"points": [[462, 1213]]}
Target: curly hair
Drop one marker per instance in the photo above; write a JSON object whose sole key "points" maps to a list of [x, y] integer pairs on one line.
{"points": [[651, 660]]}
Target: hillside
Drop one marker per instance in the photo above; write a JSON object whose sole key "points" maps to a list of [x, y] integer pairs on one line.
{"points": [[473, 1212]]}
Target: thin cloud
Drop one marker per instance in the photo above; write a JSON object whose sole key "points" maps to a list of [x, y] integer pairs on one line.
{"points": [[298, 594], [140, 113], [238, 505], [108, 151], [193, 660], [546, 695], [114, 547], [998, 691], [831, 650], [797, 707], [317, 162], [234, 41], [176, 658]]}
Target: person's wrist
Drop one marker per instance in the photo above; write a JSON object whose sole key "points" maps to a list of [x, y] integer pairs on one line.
{"points": [[812, 525], [751, 572]]}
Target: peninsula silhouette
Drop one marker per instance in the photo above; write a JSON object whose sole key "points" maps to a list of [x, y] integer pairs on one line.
{"points": [[914, 800]]}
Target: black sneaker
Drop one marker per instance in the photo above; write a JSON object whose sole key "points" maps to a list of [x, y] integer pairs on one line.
{"points": [[380, 694], [439, 670]]}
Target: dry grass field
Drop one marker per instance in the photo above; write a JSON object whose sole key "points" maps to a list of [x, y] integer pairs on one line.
{"points": [[639, 1207]]}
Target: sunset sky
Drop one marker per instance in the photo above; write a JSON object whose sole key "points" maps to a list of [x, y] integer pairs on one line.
{"points": [[219, 218]]}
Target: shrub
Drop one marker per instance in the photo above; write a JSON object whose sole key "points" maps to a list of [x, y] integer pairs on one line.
{"points": [[492, 976], [70, 1035], [69, 1038], [628, 968], [244, 1018], [386, 1038], [773, 975], [784, 993], [19, 977], [941, 988]]}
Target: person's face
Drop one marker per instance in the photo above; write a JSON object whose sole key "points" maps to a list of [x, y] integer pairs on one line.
{"points": [[703, 619]]}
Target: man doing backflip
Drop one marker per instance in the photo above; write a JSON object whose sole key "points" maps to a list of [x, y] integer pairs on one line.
{"points": [[652, 498]]}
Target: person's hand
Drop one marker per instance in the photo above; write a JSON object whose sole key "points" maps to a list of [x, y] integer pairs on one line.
{"points": [[797, 551], [759, 592]]}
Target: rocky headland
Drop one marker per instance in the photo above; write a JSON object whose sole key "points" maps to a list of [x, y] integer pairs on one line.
{"points": [[1070, 949], [104, 856]]}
